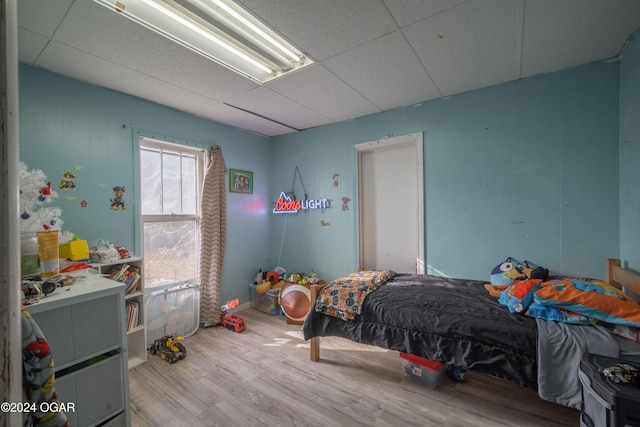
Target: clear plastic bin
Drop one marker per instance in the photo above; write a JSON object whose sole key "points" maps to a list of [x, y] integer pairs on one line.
{"points": [[424, 371]]}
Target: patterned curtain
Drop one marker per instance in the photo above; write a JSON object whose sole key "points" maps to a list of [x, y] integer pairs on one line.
{"points": [[213, 236]]}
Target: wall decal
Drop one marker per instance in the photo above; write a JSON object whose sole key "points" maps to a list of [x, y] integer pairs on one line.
{"points": [[345, 203], [324, 223], [336, 180], [68, 181], [83, 203], [118, 201]]}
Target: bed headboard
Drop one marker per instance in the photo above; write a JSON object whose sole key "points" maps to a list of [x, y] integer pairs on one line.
{"points": [[622, 278]]}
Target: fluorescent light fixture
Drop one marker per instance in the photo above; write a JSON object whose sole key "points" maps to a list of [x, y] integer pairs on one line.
{"points": [[219, 30]]}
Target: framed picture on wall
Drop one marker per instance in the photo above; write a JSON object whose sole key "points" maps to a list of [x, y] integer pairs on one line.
{"points": [[240, 181]]}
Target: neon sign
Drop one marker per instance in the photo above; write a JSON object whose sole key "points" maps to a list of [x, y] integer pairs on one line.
{"points": [[286, 204]]}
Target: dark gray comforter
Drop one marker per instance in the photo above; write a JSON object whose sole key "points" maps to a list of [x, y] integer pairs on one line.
{"points": [[453, 321]]}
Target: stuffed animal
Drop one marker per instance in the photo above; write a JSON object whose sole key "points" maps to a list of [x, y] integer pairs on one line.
{"points": [[273, 276], [495, 290], [260, 277], [537, 273], [267, 280], [295, 278], [508, 272]]}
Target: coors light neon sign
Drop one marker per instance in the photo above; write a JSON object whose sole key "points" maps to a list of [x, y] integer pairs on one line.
{"points": [[286, 204]]}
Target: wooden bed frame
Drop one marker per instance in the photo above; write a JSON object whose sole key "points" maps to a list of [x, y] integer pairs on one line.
{"points": [[616, 276]]}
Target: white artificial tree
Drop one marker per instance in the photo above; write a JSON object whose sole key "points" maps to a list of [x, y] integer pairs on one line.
{"points": [[35, 195]]}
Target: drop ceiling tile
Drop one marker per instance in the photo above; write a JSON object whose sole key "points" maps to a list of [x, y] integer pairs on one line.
{"points": [[42, 17], [30, 45], [407, 12], [273, 106], [240, 119], [385, 71], [324, 28], [75, 64], [475, 45], [321, 91], [461, 45], [559, 35]]}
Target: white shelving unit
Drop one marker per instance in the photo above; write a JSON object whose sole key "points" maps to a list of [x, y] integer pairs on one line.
{"points": [[136, 336], [84, 326]]}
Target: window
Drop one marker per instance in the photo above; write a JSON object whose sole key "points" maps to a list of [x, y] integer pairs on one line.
{"points": [[170, 176]]}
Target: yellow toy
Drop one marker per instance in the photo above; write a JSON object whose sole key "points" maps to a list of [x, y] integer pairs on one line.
{"points": [[169, 348], [263, 287]]}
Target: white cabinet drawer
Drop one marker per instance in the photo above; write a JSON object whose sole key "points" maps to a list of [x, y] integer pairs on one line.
{"points": [[97, 390], [80, 331]]}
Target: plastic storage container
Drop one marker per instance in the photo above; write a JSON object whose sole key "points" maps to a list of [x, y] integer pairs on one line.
{"points": [[424, 371], [605, 403], [29, 254], [266, 302]]}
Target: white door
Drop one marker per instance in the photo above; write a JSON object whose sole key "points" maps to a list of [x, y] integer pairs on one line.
{"points": [[390, 205]]}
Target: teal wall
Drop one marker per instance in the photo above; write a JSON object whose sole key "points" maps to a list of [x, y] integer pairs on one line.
{"points": [[65, 123], [526, 169], [630, 155]]}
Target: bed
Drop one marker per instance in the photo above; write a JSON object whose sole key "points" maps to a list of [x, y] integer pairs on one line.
{"points": [[458, 322]]}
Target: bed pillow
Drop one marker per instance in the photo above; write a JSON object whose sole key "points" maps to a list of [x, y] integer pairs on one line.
{"points": [[592, 298], [343, 296], [508, 271], [518, 295]]}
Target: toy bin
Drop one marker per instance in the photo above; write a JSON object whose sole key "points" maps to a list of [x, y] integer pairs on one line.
{"points": [[266, 302], [424, 371]]}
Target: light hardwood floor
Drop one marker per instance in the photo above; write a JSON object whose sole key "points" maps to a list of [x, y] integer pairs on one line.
{"points": [[263, 377]]}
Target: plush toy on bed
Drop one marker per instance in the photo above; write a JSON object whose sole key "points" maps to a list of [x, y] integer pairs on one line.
{"points": [[519, 295], [495, 290], [509, 271]]}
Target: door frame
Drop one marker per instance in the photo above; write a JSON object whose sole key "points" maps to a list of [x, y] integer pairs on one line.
{"points": [[417, 140]]}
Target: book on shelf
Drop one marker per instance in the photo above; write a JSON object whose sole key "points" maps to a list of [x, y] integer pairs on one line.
{"points": [[117, 271], [126, 274], [132, 282], [132, 314]]}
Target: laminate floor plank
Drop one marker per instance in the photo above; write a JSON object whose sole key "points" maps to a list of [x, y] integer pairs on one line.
{"points": [[263, 376]]}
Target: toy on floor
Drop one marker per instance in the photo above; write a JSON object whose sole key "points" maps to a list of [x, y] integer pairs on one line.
{"points": [[457, 373], [229, 305], [169, 348], [231, 321]]}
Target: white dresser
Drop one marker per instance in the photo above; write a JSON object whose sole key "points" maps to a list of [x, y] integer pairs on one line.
{"points": [[84, 325]]}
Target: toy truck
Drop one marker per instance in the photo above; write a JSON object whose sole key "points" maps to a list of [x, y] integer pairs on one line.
{"points": [[622, 373], [169, 348], [232, 322]]}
